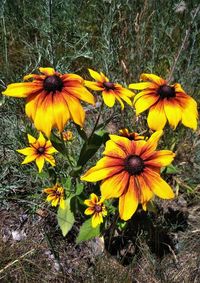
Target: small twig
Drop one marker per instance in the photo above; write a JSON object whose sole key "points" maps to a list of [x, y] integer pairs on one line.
{"points": [[17, 260], [182, 45]]}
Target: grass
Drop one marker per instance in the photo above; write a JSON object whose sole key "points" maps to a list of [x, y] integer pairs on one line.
{"points": [[122, 39]]}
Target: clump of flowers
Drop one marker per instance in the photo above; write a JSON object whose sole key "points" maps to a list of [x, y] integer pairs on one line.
{"points": [[110, 91], [96, 208], [165, 103], [56, 195], [39, 150], [129, 173]]}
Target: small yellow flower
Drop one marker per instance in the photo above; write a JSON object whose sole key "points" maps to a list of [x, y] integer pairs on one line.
{"points": [[97, 208], [39, 150], [67, 136], [56, 195], [110, 91], [131, 136]]}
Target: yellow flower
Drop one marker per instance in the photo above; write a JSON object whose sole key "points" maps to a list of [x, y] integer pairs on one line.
{"points": [[56, 195], [110, 91], [97, 208], [39, 150], [131, 136], [52, 99], [67, 136], [165, 102], [130, 171]]}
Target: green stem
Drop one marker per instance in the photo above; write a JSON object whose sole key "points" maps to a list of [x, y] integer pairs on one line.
{"points": [[66, 151], [97, 121]]}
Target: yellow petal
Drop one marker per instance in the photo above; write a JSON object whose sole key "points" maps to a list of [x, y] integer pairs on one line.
{"points": [[29, 158], [140, 86], [44, 118], [81, 93], [173, 112], [89, 211], [60, 111], [145, 192], [128, 202], [40, 162], [76, 110], [47, 71], [157, 118], [55, 202], [31, 139], [190, 114], [104, 168], [114, 150], [94, 85], [27, 151], [160, 158], [41, 140], [62, 203], [23, 89], [96, 75], [145, 102], [120, 101], [50, 159], [94, 198], [109, 98], [97, 219], [154, 78], [157, 184], [114, 186], [122, 142]]}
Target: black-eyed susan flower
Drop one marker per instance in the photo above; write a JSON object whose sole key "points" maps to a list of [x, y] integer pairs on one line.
{"points": [[165, 102], [131, 135], [130, 171], [39, 150], [95, 208], [110, 91], [56, 195], [67, 135], [52, 99]]}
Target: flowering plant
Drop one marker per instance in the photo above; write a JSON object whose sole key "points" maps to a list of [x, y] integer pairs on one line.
{"points": [[129, 173]]}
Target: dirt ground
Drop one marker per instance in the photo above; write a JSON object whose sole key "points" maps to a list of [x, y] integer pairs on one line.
{"points": [[32, 249]]}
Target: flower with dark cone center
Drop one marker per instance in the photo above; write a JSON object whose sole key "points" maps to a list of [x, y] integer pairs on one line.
{"points": [[53, 83], [98, 208], [166, 91], [109, 85], [41, 150], [134, 165]]}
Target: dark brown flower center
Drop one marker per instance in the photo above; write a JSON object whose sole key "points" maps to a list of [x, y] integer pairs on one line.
{"points": [[53, 83], [166, 91], [109, 85], [134, 165], [41, 150], [98, 208]]}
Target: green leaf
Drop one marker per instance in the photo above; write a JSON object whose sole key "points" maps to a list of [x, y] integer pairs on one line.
{"points": [[87, 232], [91, 146], [79, 188], [65, 218], [81, 132], [170, 169], [57, 143]]}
